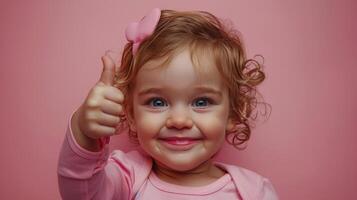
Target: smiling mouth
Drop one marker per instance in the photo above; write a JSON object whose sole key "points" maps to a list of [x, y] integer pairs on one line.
{"points": [[179, 144]]}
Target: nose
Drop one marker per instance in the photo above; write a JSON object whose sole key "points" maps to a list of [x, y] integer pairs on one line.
{"points": [[179, 118]]}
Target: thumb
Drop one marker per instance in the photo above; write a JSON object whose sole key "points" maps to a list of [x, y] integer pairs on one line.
{"points": [[107, 76]]}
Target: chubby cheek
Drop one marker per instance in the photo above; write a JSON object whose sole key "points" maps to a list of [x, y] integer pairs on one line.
{"points": [[213, 126], [144, 120], [147, 125], [214, 131]]}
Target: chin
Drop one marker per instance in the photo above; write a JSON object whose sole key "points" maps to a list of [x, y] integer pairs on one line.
{"points": [[182, 163]]}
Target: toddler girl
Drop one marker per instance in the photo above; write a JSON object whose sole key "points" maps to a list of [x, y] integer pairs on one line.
{"points": [[183, 87]]}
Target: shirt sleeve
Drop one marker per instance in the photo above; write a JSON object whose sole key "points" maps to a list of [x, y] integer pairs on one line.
{"points": [[267, 191], [83, 174]]}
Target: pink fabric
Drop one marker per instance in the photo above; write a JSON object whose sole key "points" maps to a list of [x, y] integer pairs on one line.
{"points": [[136, 32], [97, 175]]}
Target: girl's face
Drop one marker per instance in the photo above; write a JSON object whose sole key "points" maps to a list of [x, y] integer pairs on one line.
{"points": [[180, 115]]}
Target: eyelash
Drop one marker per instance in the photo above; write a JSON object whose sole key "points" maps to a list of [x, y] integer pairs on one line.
{"points": [[151, 100], [206, 99]]}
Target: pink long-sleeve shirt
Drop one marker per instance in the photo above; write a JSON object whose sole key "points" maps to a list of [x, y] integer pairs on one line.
{"points": [[83, 175]]}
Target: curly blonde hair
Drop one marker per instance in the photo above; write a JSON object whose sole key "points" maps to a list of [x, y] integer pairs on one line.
{"points": [[199, 31]]}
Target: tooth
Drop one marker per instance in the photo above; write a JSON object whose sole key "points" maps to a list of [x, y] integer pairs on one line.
{"points": [[181, 141]]}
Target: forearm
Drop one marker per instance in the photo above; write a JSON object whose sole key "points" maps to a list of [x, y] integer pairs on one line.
{"points": [[85, 174], [81, 172]]}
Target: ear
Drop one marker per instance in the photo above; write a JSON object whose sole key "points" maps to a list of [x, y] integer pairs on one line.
{"points": [[231, 125]]}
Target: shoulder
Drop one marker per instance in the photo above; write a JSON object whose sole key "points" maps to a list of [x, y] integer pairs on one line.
{"points": [[137, 165], [250, 184], [133, 158]]}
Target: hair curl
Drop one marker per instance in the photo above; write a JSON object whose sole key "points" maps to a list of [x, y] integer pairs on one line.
{"points": [[200, 31]]}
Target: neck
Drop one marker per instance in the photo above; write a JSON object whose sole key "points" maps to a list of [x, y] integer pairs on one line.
{"points": [[203, 174]]}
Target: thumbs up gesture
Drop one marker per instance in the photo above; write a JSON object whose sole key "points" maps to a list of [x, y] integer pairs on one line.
{"points": [[99, 115]]}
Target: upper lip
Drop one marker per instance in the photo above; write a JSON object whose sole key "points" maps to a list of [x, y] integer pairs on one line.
{"points": [[180, 135], [179, 138]]}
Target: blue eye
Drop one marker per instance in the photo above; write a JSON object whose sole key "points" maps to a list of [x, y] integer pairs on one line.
{"points": [[157, 102], [201, 102]]}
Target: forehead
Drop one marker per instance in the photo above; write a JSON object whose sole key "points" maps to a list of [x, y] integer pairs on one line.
{"points": [[183, 70]]}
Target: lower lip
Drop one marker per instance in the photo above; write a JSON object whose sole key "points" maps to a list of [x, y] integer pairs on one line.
{"points": [[179, 145]]}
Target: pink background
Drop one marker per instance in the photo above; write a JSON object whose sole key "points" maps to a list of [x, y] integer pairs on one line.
{"points": [[50, 57]]}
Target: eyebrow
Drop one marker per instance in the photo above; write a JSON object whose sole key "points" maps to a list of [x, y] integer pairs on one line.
{"points": [[205, 89], [149, 90], [201, 89]]}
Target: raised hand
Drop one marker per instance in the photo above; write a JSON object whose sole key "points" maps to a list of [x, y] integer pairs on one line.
{"points": [[99, 115]]}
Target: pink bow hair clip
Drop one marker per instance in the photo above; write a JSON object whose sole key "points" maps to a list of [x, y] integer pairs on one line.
{"points": [[136, 32]]}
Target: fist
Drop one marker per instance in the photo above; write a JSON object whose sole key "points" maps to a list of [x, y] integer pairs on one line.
{"points": [[100, 113]]}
